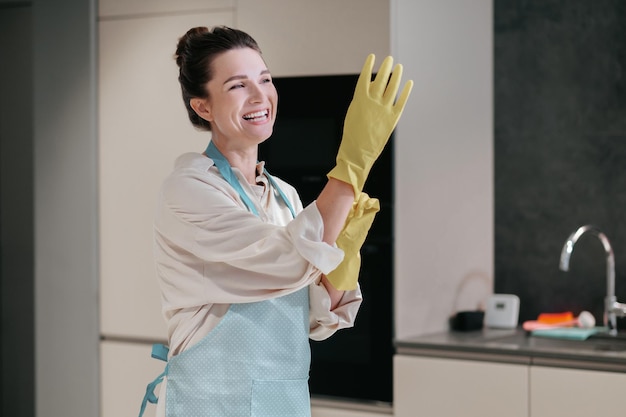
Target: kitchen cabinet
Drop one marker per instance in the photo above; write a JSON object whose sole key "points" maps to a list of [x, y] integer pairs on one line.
{"points": [[453, 387], [126, 370], [434, 386], [576, 392]]}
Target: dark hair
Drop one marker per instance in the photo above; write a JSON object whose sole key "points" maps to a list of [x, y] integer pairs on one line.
{"points": [[195, 53]]}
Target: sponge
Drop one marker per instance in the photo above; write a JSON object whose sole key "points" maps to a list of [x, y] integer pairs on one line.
{"points": [[555, 318]]}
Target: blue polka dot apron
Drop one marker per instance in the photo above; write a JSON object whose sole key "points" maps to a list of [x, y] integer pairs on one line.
{"points": [[255, 362]]}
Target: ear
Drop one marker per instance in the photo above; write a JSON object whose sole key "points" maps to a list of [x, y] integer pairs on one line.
{"points": [[202, 108]]}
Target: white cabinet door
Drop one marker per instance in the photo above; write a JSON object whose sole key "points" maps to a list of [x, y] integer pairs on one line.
{"points": [[576, 393], [435, 387], [126, 369], [117, 8], [143, 127]]}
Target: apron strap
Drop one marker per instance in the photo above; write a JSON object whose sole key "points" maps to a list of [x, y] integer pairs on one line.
{"points": [[224, 168], [160, 352], [280, 192], [227, 173]]}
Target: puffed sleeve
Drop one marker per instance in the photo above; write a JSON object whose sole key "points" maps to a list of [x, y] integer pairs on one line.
{"points": [[323, 321]]}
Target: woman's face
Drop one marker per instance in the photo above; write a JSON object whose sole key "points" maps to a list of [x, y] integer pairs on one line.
{"points": [[242, 101]]}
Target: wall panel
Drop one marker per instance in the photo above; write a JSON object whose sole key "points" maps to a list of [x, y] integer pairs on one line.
{"points": [[560, 151], [443, 162]]}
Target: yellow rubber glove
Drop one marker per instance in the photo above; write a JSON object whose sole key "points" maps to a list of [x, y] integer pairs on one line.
{"points": [[371, 118], [351, 239]]}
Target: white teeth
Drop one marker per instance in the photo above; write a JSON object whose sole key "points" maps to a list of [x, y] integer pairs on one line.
{"points": [[250, 116]]}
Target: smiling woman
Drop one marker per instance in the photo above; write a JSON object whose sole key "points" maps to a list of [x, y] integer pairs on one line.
{"points": [[247, 274]]}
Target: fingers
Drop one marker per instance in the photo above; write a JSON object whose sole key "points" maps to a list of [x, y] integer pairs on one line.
{"points": [[365, 77], [387, 82], [392, 88], [379, 84], [404, 96]]}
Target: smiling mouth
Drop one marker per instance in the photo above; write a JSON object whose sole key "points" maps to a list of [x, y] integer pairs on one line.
{"points": [[257, 116]]}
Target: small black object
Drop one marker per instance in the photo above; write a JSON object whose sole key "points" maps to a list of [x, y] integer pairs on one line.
{"points": [[467, 320]]}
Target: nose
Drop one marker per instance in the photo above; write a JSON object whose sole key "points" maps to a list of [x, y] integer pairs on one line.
{"points": [[256, 94]]}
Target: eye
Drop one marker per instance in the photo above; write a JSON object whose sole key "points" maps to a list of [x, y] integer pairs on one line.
{"points": [[266, 80], [235, 86]]}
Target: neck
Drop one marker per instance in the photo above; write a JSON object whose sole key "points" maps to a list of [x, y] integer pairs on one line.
{"points": [[244, 159]]}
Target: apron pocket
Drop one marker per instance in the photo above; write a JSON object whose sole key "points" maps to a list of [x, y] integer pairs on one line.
{"points": [[280, 398]]}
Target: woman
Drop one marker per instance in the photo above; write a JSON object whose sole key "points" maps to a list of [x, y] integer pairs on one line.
{"points": [[247, 274]]}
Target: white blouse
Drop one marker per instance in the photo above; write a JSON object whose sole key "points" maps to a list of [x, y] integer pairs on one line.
{"points": [[210, 251]]}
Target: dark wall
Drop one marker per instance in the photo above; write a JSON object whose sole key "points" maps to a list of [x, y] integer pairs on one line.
{"points": [[560, 149], [17, 348]]}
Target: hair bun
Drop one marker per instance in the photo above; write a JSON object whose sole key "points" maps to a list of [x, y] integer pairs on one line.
{"points": [[185, 41]]}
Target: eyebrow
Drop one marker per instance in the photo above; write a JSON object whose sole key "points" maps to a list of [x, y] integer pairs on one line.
{"points": [[243, 77]]}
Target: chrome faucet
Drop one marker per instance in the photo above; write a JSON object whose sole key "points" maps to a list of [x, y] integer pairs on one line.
{"points": [[612, 309]]}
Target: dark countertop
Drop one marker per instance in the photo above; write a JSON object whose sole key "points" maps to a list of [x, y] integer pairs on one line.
{"points": [[516, 346]]}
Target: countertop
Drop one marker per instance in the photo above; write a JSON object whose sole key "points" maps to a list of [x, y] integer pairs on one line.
{"points": [[518, 347]]}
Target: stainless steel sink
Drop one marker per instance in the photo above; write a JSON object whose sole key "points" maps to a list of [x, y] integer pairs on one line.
{"points": [[620, 337]]}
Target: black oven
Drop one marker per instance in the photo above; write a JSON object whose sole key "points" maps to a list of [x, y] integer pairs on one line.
{"points": [[354, 363]]}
